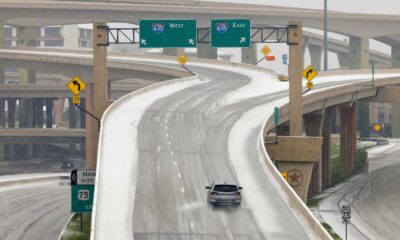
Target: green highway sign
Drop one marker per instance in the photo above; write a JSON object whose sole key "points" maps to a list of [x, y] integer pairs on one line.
{"points": [[168, 33], [82, 198], [276, 115], [230, 33]]}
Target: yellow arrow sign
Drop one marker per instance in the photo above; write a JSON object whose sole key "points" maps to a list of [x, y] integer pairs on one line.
{"points": [[310, 73], [266, 50], [76, 85], [377, 127], [182, 59]]}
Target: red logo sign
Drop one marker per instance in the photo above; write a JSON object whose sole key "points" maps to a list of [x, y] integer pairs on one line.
{"points": [[270, 58], [295, 177]]}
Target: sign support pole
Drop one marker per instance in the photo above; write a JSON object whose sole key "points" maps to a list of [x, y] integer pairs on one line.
{"points": [[295, 76], [81, 223]]}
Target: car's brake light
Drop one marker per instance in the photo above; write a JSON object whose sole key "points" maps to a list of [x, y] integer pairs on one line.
{"points": [[237, 194], [214, 193]]}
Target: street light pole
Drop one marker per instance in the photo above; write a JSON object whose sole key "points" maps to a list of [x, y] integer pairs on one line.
{"points": [[325, 35]]}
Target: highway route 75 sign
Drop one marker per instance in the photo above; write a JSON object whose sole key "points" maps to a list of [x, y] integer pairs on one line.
{"points": [[82, 190]]}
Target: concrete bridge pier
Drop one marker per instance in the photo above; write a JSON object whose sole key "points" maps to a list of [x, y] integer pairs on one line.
{"points": [[204, 50], [249, 55], [359, 59], [313, 123], [348, 138], [11, 119], [326, 147], [395, 117], [173, 51], [343, 60], [2, 125], [316, 56], [1, 45], [49, 102]]}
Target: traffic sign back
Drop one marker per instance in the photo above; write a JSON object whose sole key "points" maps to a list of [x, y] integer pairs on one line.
{"points": [[168, 33], [230, 33]]}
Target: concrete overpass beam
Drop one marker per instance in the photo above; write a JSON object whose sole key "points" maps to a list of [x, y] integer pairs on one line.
{"points": [[343, 60], [316, 56], [359, 53], [205, 51], [173, 51], [249, 55], [348, 138]]}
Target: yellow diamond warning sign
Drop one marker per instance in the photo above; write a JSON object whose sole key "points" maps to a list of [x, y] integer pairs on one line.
{"points": [[76, 85], [310, 85], [265, 50], [377, 127], [310, 73]]}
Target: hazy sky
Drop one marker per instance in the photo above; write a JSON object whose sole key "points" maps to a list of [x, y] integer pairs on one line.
{"points": [[359, 6]]}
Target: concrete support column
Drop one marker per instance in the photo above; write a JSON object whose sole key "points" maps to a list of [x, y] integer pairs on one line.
{"points": [[313, 126], [205, 51], [98, 96], [2, 113], [326, 148], [295, 76], [39, 113], [1, 45], [363, 118], [2, 125], [249, 55], [343, 60], [348, 138], [395, 120], [58, 111], [316, 56], [359, 53], [173, 51], [71, 114], [395, 117], [91, 130], [396, 56], [26, 36], [82, 113], [49, 112], [11, 106]]}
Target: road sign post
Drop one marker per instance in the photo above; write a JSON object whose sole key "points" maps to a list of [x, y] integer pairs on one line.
{"points": [[168, 33], [346, 215], [230, 33]]}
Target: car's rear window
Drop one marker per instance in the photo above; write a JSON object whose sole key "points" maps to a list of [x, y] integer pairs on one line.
{"points": [[225, 188]]}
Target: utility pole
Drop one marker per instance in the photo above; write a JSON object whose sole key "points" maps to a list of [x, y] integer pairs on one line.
{"points": [[325, 35]]}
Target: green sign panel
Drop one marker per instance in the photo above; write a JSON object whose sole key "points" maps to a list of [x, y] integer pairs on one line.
{"points": [[276, 115], [230, 33], [82, 198], [168, 33]]}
